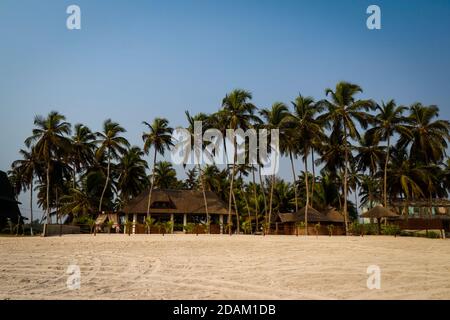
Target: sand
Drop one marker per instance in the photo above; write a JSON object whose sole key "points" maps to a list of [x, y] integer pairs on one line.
{"points": [[223, 267]]}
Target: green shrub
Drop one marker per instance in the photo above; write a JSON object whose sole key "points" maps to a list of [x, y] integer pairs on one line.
{"points": [[433, 235], [390, 230]]}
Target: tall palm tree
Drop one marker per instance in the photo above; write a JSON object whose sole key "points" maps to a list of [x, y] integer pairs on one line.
{"points": [[26, 169], [388, 121], [132, 178], [111, 144], [405, 177], [274, 118], [50, 142], [159, 137], [308, 130], [369, 154], [342, 111], [238, 113], [82, 151], [165, 175], [426, 137], [194, 135]]}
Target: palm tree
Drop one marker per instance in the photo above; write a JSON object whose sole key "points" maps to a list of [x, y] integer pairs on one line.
{"points": [[132, 178], [50, 142], [427, 138], [405, 177], [25, 171], [369, 154], [238, 113], [112, 144], [165, 176], [82, 151], [388, 121], [275, 118], [77, 202], [159, 137], [201, 117], [342, 111], [308, 130]]}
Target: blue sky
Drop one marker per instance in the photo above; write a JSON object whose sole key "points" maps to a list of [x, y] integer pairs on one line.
{"points": [[136, 60]]}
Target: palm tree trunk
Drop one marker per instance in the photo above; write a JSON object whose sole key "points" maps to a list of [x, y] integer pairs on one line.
{"points": [[248, 209], [345, 180], [48, 193], [204, 198], [261, 182], [256, 200], [271, 203], [238, 227], [385, 172], [107, 181], [295, 181], [151, 185], [313, 185], [31, 206], [231, 188], [307, 195]]}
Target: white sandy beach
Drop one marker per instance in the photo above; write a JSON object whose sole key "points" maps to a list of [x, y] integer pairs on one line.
{"points": [[223, 267]]}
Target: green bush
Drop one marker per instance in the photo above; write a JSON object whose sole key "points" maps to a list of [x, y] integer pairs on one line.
{"points": [[390, 230], [433, 235]]}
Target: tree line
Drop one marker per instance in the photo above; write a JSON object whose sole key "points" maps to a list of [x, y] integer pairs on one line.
{"points": [[381, 152]]}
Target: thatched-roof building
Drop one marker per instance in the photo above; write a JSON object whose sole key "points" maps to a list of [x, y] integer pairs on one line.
{"points": [[9, 208], [290, 221], [179, 206]]}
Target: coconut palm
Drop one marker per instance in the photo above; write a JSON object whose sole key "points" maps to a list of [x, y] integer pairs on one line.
{"points": [[132, 178], [308, 129], [165, 176], [203, 118], [342, 111], [369, 154], [274, 118], [426, 137], [50, 143], [25, 170], [159, 137], [82, 150], [388, 121], [237, 113], [112, 145], [405, 177], [77, 202]]}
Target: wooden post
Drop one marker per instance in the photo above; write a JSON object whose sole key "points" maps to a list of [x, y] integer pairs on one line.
{"points": [[221, 223], [134, 223], [172, 220], [184, 222]]}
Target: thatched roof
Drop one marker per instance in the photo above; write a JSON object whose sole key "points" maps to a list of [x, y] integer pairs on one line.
{"points": [[313, 216], [177, 201], [333, 215], [379, 212]]}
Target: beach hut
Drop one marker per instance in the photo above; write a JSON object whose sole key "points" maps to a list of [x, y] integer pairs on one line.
{"points": [[378, 212], [289, 220], [180, 207], [330, 216]]}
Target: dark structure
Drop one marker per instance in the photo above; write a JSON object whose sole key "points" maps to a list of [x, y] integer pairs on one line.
{"points": [[289, 223], [179, 206], [9, 208]]}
